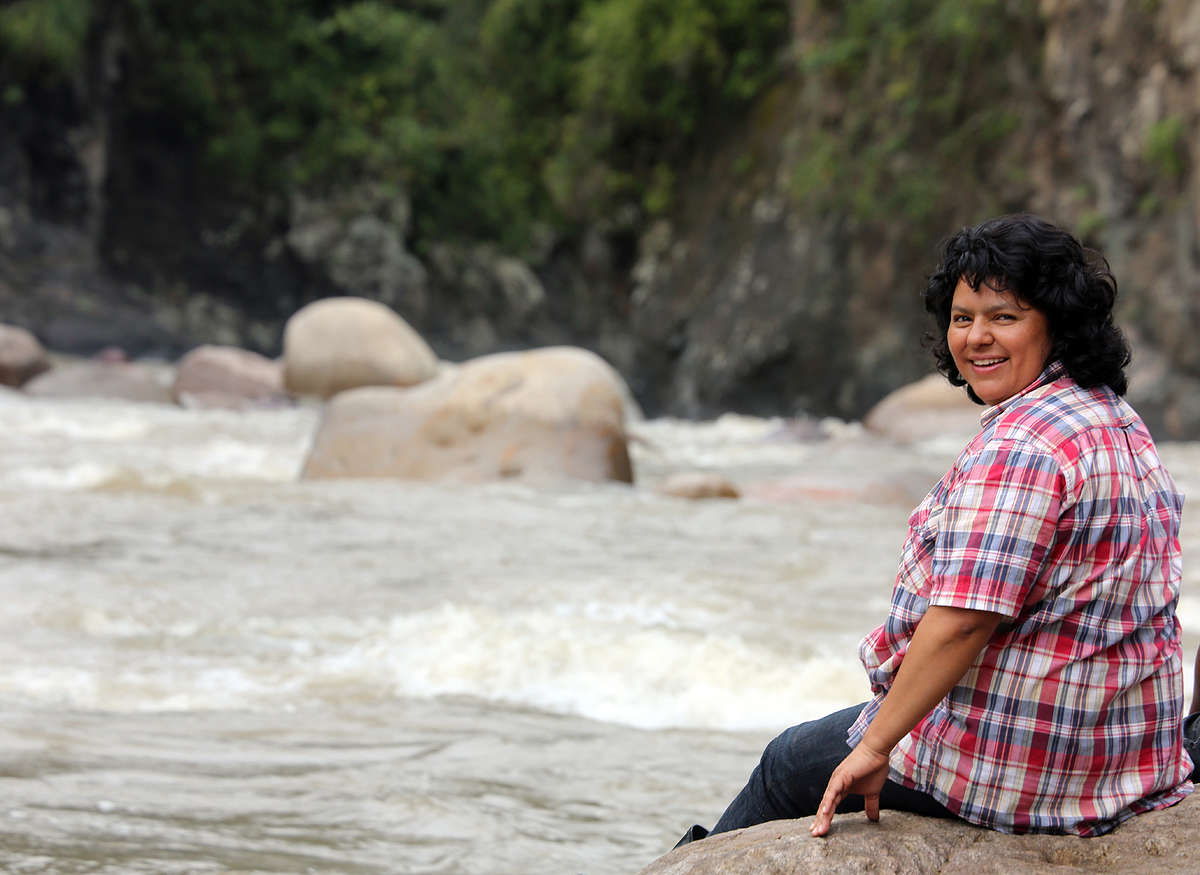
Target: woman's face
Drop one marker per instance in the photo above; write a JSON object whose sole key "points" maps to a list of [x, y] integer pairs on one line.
{"points": [[999, 343]]}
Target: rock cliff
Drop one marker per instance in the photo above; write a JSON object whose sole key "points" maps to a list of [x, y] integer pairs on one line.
{"points": [[755, 293]]}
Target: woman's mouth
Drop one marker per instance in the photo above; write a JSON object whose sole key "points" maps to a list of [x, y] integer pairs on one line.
{"points": [[987, 364]]}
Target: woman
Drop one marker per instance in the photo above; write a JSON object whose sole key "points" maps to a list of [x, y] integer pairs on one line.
{"points": [[1028, 677]]}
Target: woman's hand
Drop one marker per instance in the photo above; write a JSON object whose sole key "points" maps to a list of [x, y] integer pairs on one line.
{"points": [[944, 645], [864, 771]]}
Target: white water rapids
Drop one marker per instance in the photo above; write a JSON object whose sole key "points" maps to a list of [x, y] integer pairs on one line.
{"points": [[207, 665]]}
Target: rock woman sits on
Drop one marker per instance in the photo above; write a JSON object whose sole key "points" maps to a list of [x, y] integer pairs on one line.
{"points": [[1029, 676]]}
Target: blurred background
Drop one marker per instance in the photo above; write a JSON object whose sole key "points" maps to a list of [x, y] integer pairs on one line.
{"points": [[733, 201], [499, 621]]}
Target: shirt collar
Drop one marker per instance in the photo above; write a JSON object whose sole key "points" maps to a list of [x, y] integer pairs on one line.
{"points": [[1053, 371]]}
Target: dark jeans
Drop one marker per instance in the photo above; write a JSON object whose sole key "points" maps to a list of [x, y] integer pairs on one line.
{"points": [[1191, 742], [790, 779]]}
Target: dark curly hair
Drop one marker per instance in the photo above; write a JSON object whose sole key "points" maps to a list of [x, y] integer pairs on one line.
{"points": [[1048, 269]]}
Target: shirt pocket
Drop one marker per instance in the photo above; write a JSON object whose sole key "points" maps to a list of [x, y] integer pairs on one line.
{"points": [[916, 558]]}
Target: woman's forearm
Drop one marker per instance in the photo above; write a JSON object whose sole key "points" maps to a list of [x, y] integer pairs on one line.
{"points": [[943, 647]]}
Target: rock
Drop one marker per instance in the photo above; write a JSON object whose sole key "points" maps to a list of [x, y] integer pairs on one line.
{"points": [[490, 296], [357, 238], [928, 408], [546, 414], [698, 484], [21, 356], [108, 325], [130, 381], [225, 376], [345, 343], [1160, 841], [1167, 399]]}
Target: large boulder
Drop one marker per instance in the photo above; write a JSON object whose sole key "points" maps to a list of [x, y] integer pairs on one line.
{"points": [[337, 344], [546, 414], [928, 408], [908, 844], [21, 356], [128, 381], [225, 376]]}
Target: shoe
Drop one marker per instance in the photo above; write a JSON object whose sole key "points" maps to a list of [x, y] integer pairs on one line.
{"points": [[694, 834]]}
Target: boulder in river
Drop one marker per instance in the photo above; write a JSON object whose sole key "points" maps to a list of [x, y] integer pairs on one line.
{"points": [[546, 414], [698, 485], [226, 376], [336, 344], [129, 381], [908, 844], [21, 356], [928, 408]]}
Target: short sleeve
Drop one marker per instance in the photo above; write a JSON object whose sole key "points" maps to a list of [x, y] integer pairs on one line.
{"points": [[996, 529]]}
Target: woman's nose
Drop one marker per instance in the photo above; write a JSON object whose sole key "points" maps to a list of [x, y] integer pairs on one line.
{"points": [[979, 333]]}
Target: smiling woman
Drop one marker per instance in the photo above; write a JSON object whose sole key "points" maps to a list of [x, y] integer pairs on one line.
{"points": [[1010, 266], [1028, 676], [998, 343]]}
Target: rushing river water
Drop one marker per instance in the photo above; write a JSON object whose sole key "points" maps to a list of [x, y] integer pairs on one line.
{"points": [[207, 665]]}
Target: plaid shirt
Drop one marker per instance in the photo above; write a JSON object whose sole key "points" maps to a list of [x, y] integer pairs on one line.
{"points": [[1059, 516]]}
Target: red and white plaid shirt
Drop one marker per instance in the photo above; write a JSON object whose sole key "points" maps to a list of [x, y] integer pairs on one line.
{"points": [[1059, 515]]}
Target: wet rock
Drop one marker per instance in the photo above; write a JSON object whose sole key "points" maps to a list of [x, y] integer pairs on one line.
{"points": [[907, 844], [337, 344], [928, 408], [698, 485], [543, 415], [21, 356], [129, 381], [225, 376]]}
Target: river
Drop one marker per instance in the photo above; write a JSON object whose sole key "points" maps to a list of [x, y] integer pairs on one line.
{"points": [[208, 665]]}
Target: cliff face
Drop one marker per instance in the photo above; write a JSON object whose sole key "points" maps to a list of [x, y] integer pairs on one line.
{"points": [[785, 281], [751, 299]]}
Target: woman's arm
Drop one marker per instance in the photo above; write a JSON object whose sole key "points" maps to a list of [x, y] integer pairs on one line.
{"points": [[944, 645]]}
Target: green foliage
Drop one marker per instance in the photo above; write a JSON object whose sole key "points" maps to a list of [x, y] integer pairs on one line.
{"points": [[1165, 148], [42, 38], [1089, 224], [497, 116], [649, 72], [924, 98]]}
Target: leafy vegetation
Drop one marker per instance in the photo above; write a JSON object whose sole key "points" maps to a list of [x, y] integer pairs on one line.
{"points": [[921, 89], [1165, 148], [496, 115], [42, 37]]}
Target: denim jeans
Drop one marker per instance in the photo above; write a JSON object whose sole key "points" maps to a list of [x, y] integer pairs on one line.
{"points": [[1191, 743], [791, 777]]}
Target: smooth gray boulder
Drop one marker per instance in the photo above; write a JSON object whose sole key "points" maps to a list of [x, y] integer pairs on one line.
{"points": [[541, 415], [228, 377], [698, 485], [336, 344], [928, 408], [21, 356], [127, 381]]}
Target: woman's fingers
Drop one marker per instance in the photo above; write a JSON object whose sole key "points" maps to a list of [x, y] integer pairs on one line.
{"points": [[863, 771], [835, 792], [871, 806]]}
